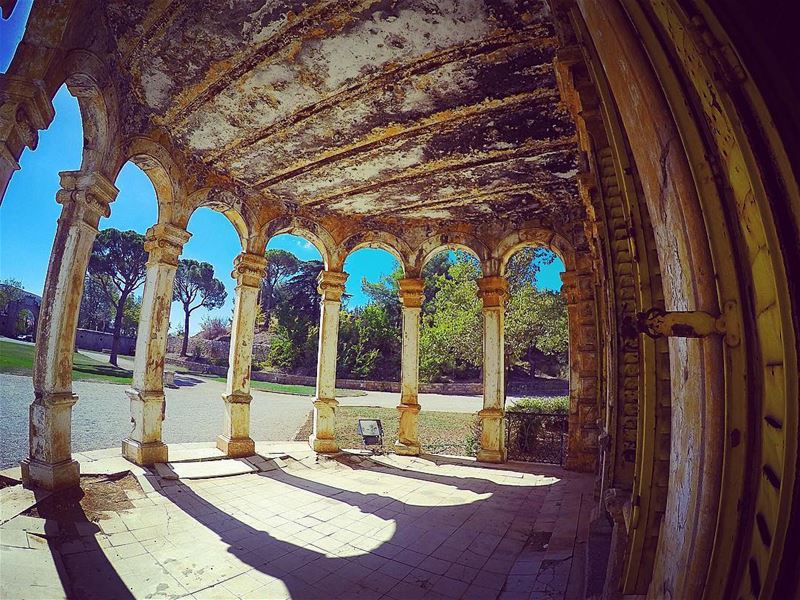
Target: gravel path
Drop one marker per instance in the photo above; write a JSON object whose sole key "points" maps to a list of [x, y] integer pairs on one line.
{"points": [[101, 418], [195, 412]]}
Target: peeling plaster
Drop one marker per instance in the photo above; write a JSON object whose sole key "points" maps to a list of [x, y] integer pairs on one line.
{"points": [[404, 109]]}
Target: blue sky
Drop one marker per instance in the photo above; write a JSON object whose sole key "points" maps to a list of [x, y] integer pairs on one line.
{"points": [[29, 211]]}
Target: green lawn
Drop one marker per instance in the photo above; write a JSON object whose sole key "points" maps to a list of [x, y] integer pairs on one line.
{"points": [[283, 388], [17, 359], [439, 432]]}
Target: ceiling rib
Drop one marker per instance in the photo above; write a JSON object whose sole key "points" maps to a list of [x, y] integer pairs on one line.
{"points": [[447, 117], [487, 196], [462, 162], [177, 116], [406, 71], [163, 16]]}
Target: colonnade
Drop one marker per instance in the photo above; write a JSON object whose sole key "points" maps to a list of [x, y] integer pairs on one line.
{"points": [[85, 198]]}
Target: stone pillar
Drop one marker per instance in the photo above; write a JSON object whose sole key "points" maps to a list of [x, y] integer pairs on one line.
{"points": [[411, 297], [26, 109], [331, 287], [85, 198], [248, 270], [583, 430], [164, 244], [493, 291]]}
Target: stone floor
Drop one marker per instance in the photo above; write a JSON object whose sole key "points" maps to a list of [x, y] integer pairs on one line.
{"points": [[292, 526]]}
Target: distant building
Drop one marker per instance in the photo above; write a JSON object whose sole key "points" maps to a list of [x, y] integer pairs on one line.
{"points": [[19, 313]]}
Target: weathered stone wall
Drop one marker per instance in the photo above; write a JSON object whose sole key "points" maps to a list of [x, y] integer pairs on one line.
{"points": [[217, 349], [458, 388], [88, 339], [582, 450]]}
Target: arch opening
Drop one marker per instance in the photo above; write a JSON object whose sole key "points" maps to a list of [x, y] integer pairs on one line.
{"points": [[369, 344], [537, 327], [289, 302], [311, 232], [204, 295]]}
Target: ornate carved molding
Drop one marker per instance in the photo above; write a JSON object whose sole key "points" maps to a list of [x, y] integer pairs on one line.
{"points": [[331, 285], [164, 243], [412, 292], [249, 269], [493, 290], [90, 192], [27, 108]]}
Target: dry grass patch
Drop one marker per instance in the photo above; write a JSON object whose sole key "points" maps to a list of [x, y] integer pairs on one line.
{"points": [[439, 432]]}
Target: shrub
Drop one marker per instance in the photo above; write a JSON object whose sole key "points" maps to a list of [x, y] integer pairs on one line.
{"points": [[556, 404], [212, 328], [473, 441], [282, 351]]}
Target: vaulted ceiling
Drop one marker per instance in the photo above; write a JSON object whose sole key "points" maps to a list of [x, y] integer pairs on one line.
{"points": [[415, 109]]}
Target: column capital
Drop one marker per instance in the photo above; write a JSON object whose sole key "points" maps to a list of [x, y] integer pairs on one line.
{"points": [[330, 285], [164, 243], [249, 269], [493, 290], [30, 108], [89, 191], [412, 292]]}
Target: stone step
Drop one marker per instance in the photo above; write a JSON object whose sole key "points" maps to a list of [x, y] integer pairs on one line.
{"points": [[205, 469]]}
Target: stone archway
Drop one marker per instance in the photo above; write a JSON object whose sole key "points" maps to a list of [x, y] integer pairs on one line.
{"points": [[27, 303]]}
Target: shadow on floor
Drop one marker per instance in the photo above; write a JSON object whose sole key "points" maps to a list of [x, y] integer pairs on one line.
{"points": [[186, 380], [68, 527], [440, 551]]}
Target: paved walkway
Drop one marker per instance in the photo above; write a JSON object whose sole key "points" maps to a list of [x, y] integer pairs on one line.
{"points": [[435, 402], [391, 527]]}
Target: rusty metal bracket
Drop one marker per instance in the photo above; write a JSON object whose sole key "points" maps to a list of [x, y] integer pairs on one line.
{"points": [[657, 323]]}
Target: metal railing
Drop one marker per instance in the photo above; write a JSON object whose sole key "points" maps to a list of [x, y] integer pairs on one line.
{"points": [[536, 437]]}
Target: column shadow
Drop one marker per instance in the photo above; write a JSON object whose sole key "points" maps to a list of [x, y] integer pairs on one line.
{"points": [[308, 572], [68, 529], [364, 571]]}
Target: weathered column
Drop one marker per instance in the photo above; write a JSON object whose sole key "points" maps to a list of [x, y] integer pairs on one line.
{"points": [[164, 244], [411, 297], [25, 110], [85, 198], [248, 270], [493, 290], [331, 287]]}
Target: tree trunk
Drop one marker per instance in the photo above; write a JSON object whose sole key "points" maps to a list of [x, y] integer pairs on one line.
{"points": [[185, 347], [266, 303], [119, 314]]}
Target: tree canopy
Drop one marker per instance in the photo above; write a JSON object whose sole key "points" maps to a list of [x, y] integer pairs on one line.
{"points": [[451, 327], [281, 267], [116, 270], [10, 291], [294, 343], [196, 287]]}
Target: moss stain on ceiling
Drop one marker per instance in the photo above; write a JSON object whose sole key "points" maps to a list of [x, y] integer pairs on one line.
{"points": [[441, 110]]}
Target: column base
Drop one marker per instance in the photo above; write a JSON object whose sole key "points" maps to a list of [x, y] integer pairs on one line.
{"points": [[406, 449], [323, 438], [322, 446], [236, 447], [145, 453], [36, 473], [491, 456]]}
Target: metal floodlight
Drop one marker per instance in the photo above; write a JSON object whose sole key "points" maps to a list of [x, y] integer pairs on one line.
{"points": [[372, 431]]}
